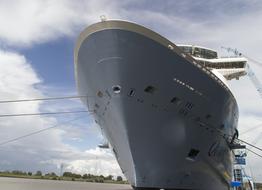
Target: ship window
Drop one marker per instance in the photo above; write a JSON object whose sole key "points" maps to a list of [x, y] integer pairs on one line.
{"points": [[186, 49], [192, 154], [189, 105], [131, 92], [150, 89], [175, 100], [116, 89]]}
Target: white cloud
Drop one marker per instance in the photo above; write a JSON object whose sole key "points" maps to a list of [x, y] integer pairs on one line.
{"points": [[19, 81], [94, 161], [27, 22], [97, 161]]}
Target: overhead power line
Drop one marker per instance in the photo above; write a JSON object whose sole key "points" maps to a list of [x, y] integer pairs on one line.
{"points": [[224, 135], [74, 112], [247, 143], [41, 99], [43, 113], [254, 152], [39, 131]]}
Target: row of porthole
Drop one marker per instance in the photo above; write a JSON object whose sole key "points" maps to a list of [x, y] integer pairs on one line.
{"points": [[151, 90], [182, 111]]}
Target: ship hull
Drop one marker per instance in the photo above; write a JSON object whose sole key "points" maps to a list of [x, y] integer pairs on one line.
{"points": [[162, 113]]}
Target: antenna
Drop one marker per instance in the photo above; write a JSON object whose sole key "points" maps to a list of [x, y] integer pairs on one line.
{"points": [[235, 51], [103, 18]]}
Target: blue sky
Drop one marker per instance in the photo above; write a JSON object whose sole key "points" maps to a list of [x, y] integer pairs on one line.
{"points": [[53, 62], [37, 40]]}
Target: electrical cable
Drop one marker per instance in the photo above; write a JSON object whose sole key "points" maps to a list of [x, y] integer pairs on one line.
{"points": [[245, 142], [254, 152], [42, 113], [250, 144], [79, 111], [37, 132], [41, 99], [226, 135]]}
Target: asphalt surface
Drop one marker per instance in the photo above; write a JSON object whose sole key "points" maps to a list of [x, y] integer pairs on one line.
{"points": [[35, 184]]}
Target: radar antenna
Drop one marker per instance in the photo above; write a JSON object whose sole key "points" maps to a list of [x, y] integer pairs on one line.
{"points": [[252, 76]]}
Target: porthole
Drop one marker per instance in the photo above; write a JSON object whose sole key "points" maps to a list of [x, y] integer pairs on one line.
{"points": [[131, 92], [116, 89], [150, 89], [192, 154], [173, 100], [189, 105]]}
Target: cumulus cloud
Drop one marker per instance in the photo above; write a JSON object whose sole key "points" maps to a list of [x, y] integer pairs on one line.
{"points": [[19, 81], [97, 161], [94, 161], [28, 22]]}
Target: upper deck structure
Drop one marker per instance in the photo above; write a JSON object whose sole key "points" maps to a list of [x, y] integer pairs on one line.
{"points": [[228, 67]]}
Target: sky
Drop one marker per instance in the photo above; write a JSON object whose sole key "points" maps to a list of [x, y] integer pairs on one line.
{"points": [[37, 40]]}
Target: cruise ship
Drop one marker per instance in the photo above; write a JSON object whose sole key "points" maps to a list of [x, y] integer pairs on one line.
{"points": [[166, 110]]}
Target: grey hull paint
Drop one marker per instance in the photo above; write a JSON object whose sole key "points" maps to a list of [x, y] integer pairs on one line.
{"points": [[151, 137]]}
